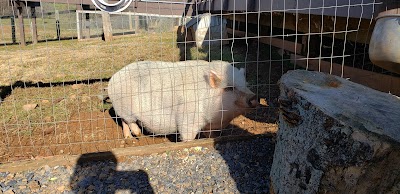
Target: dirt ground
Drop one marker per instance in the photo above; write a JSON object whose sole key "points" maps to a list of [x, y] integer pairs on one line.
{"points": [[99, 131]]}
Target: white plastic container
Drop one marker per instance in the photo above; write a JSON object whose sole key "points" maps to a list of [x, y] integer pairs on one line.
{"points": [[384, 46], [209, 30]]}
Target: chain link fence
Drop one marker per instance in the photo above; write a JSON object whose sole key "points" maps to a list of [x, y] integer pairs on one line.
{"points": [[53, 97]]}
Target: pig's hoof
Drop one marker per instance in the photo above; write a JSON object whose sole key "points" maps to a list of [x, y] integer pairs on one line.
{"points": [[186, 140], [128, 136]]}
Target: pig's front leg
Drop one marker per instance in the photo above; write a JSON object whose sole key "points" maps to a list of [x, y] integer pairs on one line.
{"points": [[135, 129], [189, 127], [126, 131]]}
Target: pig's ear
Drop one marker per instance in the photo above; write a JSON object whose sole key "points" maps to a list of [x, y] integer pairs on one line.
{"points": [[214, 80]]}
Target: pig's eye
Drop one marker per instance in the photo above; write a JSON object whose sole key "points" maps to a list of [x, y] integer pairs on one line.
{"points": [[229, 88]]}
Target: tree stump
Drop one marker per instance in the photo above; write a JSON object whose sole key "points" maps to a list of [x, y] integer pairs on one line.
{"points": [[335, 136]]}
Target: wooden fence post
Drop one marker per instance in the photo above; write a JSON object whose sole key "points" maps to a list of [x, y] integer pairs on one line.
{"points": [[13, 36], [79, 21], [78, 25], [107, 29], [130, 22], [57, 16], [87, 25], [136, 24], [21, 27], [34, 26]]}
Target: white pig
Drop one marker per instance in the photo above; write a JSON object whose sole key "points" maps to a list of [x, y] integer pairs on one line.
{"points": [[187, 96]]}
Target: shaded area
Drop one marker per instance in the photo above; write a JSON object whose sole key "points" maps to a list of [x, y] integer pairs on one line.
{"points": [[98, 173], [42, 41], [7, 90], [249, 163]]}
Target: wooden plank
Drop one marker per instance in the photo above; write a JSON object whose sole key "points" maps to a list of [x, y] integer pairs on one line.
{"points": [[341, 8], [142, 7], [132, 13], [120, 153], [357, 30], [377, 81], [280, 43]]}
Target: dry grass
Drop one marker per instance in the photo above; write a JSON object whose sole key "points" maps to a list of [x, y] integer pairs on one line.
{"points": [[80, 60]]}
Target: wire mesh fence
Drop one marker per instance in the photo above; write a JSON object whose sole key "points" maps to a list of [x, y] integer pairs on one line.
{"points": [[53, 97]]}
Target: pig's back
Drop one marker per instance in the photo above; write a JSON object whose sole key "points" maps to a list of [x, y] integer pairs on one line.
{"points": [[156, 92]]}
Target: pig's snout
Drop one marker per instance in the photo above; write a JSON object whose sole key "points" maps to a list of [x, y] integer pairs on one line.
{"points": [[252, 102]]}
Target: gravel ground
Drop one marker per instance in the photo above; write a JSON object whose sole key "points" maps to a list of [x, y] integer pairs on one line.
{"points": [[232, 167]]}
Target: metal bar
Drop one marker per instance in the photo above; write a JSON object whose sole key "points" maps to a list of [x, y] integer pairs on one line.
{"points": [[131, 13], [169, 2]]}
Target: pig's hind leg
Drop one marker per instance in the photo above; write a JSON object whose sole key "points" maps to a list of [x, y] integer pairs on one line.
{"points": [[127, 128], [135, 129], [126, 131]]}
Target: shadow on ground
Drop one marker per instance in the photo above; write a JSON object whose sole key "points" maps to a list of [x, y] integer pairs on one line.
{"points": [[249, 161], [98, 173], [7, 90]]}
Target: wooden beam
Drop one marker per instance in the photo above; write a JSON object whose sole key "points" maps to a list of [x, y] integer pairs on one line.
{"points": [[377, 81], [280, 43], [21, 27], [120, 153], [358, 30]]}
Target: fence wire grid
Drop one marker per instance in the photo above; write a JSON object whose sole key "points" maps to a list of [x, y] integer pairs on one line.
{"points": [[53, 89]]}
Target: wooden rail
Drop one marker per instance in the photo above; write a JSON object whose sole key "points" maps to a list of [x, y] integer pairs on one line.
{"points": [[377, 81], [280, 43]]}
